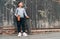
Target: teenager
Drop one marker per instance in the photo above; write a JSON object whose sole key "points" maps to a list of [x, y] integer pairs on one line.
{"points": [[20, 14]]}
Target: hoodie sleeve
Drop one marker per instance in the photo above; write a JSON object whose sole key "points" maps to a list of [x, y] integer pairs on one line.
{"points": [[16, 12], [25, 13]]}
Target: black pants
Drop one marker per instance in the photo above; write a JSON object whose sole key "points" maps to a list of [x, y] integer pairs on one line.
{"points": [[21, 25]]}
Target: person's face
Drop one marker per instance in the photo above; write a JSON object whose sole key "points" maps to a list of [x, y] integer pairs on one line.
{"points": [[21, 4]]}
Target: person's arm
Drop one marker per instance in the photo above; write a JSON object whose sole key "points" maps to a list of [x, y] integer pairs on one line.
{"points": [[16, 12], [26, 14]]}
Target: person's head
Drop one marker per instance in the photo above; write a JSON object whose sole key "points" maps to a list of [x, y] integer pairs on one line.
{"points": [[20, 4]]}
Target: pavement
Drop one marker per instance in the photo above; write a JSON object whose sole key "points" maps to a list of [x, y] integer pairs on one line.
{"points": [[50, 35]]}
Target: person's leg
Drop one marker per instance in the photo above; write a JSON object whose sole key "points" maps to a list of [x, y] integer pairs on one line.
{"points": [[23, 27], [18, 26], [23, 24]]}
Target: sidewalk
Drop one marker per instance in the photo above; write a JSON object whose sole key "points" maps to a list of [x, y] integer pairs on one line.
{"points": [[53, 35]]}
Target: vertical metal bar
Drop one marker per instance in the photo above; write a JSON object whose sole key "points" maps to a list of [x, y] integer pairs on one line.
{"points": [[36, 15], [32, 13], [3, 17]]}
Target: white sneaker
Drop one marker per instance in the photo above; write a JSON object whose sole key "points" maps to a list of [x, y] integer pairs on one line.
{"points": [[19, 34], [25, 34]]}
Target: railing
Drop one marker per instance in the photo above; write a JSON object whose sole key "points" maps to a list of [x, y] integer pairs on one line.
{"points": [[44, 13], [7, 12]]}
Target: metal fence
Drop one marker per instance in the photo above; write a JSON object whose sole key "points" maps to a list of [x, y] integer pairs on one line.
{"points": [[6, 14], [43, 13]]}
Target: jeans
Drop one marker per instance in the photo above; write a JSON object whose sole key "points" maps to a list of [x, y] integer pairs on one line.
{"points": [[21, 25]]}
